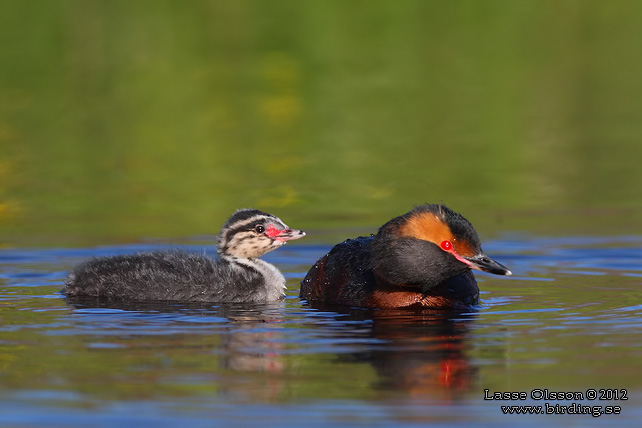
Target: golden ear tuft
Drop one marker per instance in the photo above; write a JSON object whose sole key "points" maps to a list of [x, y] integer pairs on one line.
{"points": [[428, 227], [431, 227]]}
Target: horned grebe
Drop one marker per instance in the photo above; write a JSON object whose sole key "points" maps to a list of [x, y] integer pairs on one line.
{"points": [[420, 259]]}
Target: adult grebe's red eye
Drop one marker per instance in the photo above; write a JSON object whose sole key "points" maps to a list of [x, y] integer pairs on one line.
{"points": [[446, 246]]}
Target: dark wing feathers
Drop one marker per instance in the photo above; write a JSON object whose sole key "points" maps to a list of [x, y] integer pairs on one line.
{"points": [[343, 276]]}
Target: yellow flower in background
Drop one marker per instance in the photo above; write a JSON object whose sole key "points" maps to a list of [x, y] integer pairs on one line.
{"points": [[281, 110], [282, 106], [280, 197]]}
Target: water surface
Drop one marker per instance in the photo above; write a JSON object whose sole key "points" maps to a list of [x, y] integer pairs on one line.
{"points": [[569, 320]]}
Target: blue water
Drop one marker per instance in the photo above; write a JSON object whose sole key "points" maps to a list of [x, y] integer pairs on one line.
{"points": [[569, 320]]}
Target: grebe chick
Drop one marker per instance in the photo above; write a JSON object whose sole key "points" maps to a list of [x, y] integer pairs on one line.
{"points": [[420, 259], [238, 276]]}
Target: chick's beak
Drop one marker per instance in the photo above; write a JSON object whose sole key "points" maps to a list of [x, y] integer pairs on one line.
{"points": [[484, 263], [289, 235]]}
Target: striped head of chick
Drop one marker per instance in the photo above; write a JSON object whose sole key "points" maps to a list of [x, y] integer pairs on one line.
{"points": [[251, 233]]}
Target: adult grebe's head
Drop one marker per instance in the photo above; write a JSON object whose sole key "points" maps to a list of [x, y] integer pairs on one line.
{"points": [[428, 245]]}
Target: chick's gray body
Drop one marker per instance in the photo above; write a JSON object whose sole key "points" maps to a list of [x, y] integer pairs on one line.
{"points": [[174, 276], [236, 276]]}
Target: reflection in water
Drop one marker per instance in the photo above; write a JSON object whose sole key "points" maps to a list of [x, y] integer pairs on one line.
{"points": [[422, 352], [417, 353], [238, 343]]}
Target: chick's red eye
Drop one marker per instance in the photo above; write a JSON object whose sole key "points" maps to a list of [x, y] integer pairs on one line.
{"points": [[446, 246], [259, 229]]}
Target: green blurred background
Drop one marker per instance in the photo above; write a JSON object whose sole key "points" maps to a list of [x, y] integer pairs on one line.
{"points": [[123, 120]]}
